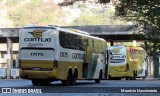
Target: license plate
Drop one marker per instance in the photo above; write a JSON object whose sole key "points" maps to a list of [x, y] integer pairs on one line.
{"points": [[36, 68]]}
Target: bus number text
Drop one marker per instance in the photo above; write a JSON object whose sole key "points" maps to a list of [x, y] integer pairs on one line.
{"points": [[37, 54], [64, 54]]}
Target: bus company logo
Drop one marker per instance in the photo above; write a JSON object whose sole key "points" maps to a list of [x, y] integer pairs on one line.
{"points": [[37, 33], [116, 50]]}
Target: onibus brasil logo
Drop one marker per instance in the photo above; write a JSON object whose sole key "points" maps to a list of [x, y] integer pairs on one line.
{"points": [[21, 90]]}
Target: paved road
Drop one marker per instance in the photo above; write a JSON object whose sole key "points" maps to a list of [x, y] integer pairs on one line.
{"points": [[84, 88]]}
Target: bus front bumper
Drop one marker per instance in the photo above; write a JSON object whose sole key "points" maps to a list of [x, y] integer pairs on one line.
{"points": [[120, 74]]}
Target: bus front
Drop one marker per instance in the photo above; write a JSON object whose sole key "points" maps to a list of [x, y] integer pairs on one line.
{"points": [[37, 53], [118, 66]]}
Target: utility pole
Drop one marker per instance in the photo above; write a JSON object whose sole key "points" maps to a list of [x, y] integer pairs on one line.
{"points": [[9, 57]]}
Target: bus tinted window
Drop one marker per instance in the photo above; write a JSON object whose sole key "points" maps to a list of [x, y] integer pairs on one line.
{"points": [[72, 41]]}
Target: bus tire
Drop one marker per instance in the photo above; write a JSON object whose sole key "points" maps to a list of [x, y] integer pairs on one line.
{"points": [[110, 78], [74, 77], [69, 79], [44, 82], [143, 78], [134, 75], [35, 82], [100, 77], [127, 78]]}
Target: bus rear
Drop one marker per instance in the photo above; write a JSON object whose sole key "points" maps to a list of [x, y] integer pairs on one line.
{"points": [[138, 55], [36, 53]]}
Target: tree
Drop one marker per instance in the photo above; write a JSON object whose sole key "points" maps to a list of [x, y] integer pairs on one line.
{"points": [[141, 12], [35, 12], [146, 13], [97, 18], [71, 2]]}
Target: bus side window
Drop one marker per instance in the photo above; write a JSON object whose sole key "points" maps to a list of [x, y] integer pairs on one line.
{"points": [[80, 43], [62, 38], [84, 43], [71, 41], [74, 41], [95, 46], [90, 42], [66, 40], [99, 46]]}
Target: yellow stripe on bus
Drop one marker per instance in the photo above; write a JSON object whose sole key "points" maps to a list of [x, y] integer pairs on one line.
{"points": [[36, 63], [61, 73]]}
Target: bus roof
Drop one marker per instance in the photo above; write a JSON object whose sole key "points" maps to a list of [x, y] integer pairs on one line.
{"points": [[69, 30]]}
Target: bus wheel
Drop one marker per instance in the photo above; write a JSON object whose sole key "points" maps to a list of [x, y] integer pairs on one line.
{"points": [[74, 77], [143, 78], [110, 78], [44, 83], [35, 82], [127, 78], [100, 77], [69, 79], [134, 75]]}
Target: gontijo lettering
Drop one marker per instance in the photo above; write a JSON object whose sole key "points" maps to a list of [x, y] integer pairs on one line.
{"points": [[78, 56], [37, 39]]}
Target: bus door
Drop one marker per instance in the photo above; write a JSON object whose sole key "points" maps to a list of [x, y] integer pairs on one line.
{"points": [[87, 61], [106, 64]]}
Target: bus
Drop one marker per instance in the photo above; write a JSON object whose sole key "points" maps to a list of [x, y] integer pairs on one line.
{"points": [[127, 62], [50, 53]]}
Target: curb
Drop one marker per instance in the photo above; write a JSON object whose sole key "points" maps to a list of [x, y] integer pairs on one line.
{"points": [[151, 78]]}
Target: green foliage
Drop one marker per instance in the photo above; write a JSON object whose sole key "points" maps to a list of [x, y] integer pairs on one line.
{"points": [[12, 2], [35, 3], [97, 18], [146, 13], [24, 15], [71, 2], [103, 1], [141, 44]]}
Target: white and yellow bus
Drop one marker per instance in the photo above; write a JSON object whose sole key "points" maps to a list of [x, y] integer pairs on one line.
{"points": [[50, 53], [127, 62]]}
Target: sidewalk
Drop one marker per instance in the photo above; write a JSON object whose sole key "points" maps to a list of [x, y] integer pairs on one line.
{"points": [[150, 77]]}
